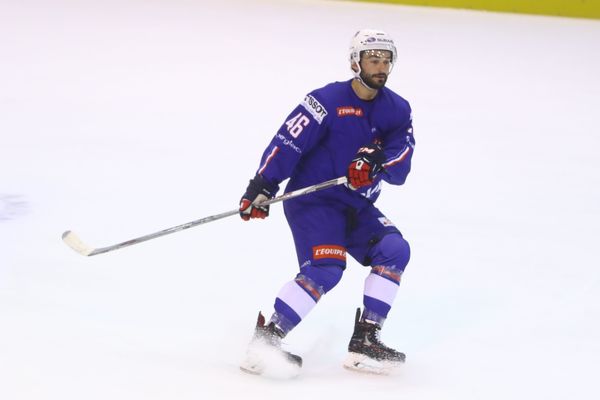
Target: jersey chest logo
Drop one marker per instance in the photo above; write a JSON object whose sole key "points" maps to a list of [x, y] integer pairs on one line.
{"points": [[347, 111]]}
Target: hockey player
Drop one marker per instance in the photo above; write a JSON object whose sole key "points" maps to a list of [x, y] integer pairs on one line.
{"points": [[361, 129]]}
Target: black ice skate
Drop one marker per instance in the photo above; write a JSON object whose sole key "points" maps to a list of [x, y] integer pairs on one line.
{"points": [[265, 355], [366, 352]]}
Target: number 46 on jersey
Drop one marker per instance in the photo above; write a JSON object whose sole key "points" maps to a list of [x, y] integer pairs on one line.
{"points": [[296, 124]]}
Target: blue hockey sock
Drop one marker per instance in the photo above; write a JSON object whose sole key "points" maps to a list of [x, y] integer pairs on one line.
{"points": [[298, 297], [390, 257]]}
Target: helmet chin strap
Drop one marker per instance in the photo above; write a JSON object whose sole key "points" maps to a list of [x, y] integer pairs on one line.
{"points": [[365, 84], [360, 79]]}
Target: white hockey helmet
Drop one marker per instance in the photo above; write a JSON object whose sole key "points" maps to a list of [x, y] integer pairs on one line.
{"points": [[370, 39]]}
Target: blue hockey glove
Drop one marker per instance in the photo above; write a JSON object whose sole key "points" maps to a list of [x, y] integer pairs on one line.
{"points": [[365, 166], [258, 190]]}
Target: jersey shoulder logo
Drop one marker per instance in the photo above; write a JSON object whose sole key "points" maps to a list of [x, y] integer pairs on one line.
{"points": [[315, 108], [385, 222]]}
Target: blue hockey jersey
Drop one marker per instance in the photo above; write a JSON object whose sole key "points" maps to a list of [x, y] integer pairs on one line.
{"points": [[322, 134]]}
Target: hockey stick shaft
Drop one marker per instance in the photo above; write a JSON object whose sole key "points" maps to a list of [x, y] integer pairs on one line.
{"points": [[73, 241]]}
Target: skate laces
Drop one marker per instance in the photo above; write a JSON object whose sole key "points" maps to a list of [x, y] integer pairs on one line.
{"points": [[373, 331], [269, 334], [373, 334]]}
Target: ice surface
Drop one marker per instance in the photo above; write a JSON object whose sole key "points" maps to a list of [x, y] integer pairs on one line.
{"points": [[121, 118]]}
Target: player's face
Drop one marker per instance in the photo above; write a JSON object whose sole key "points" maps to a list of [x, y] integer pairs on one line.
{"points": [[375, 67]]}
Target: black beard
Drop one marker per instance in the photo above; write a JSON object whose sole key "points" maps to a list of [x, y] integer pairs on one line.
{"points": [[370, 82]]}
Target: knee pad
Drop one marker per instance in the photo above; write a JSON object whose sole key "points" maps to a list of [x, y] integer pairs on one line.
{"points": [[392, 252], [319, 279]]}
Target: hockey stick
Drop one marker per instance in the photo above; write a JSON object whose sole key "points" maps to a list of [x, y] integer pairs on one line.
{"points": [[73, 241]]}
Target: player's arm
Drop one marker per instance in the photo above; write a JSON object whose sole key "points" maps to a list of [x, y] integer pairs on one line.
{"points": [[399, 146], [296, 136], [390, 159]]}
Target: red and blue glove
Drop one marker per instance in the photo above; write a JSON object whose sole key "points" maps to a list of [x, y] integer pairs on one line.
{"points": [[258, 190], [367, 163]]}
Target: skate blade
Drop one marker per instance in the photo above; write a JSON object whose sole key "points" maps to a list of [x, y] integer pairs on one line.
{"points": [[268, 362], [250, 370], [252, 364], [363, 364]]}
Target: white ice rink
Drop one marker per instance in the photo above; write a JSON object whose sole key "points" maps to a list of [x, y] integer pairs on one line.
{"points": [[121, 118]]}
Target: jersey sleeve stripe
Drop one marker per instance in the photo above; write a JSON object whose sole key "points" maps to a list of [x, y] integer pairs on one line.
{"points": [[399, 158], [268, 160]]}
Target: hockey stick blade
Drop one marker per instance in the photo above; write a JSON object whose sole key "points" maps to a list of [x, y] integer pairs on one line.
{"points": [[74, 242]]}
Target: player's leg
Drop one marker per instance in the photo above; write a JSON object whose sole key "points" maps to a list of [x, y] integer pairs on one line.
{"points": [[299, 296], [388, 258], [318, 233], [376, 242]]}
